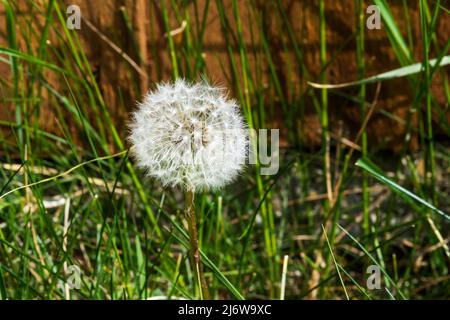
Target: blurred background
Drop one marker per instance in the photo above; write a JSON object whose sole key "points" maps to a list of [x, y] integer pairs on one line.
{"points": [[75, 198]]}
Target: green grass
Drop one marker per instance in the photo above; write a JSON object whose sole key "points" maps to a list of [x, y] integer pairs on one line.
{"points": [[332, 214]]}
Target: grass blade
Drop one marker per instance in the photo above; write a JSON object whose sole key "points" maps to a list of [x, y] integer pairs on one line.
{"points": [[396, 73], [368, 166]]}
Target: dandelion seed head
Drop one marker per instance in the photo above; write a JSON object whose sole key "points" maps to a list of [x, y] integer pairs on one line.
{"points": [[189, 135]]}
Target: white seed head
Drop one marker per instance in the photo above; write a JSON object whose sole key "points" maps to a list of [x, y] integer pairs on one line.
{"points": [[189, 135]]}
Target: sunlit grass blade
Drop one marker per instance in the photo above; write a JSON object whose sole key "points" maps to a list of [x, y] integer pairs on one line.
{"points": [[395, 36], [397, 73], [32, 59], [368, 166]]}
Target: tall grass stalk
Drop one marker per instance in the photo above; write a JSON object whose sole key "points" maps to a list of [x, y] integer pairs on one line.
{"points": [[431, 161], [360, 27]]}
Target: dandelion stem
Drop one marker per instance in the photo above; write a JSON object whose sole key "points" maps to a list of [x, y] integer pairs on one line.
{"points": [[199, 278]]}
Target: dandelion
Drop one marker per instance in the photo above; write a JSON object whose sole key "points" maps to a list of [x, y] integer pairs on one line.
{"points": [[189, 135]]}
